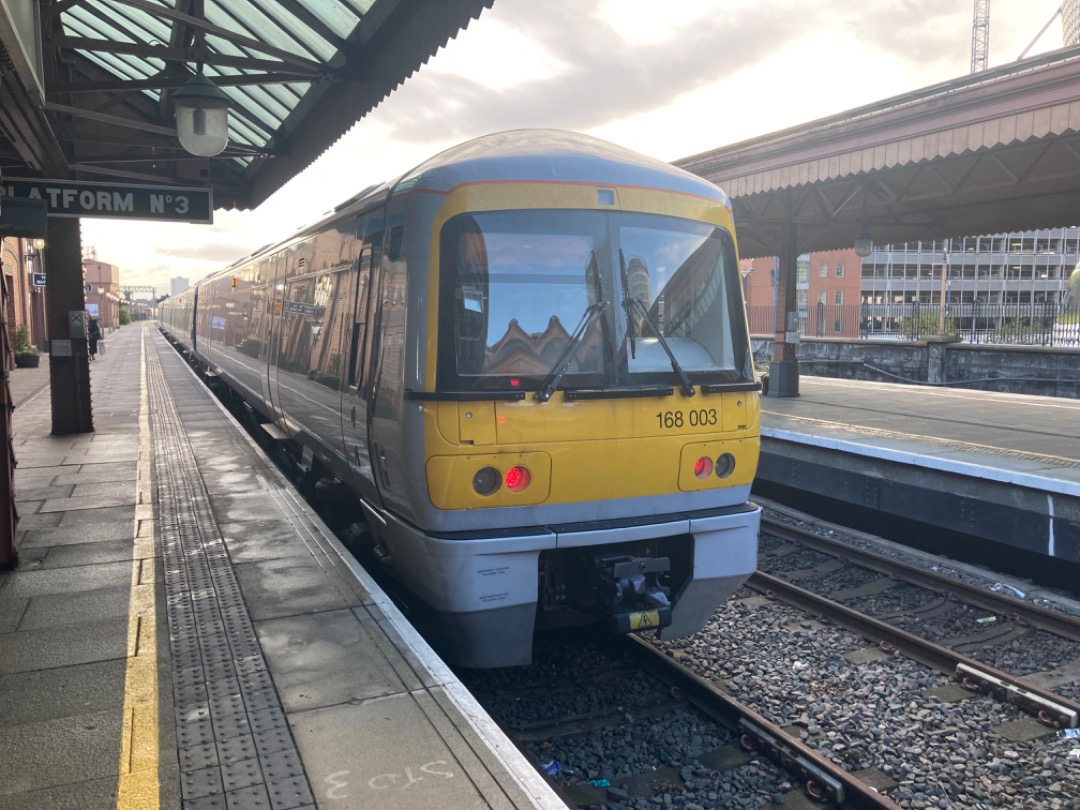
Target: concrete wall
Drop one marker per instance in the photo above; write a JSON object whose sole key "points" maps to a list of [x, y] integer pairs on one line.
{"points": [[1015, 369]]}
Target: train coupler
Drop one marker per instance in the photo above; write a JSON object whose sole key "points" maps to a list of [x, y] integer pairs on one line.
{"points": [[631, 589]]}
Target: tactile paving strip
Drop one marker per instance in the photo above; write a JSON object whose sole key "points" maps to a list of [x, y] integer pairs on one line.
{"points": [[235, 747]]}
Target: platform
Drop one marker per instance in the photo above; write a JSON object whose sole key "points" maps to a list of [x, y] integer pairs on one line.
{"points": [[1002, 467], [183, 631]]}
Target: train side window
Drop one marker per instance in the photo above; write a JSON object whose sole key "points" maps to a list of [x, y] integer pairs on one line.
{"points": [[359, 328], [471, 315], [397, 242]]}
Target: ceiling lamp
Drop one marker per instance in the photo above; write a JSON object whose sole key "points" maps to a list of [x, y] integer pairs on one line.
{"points": [[202, 116], [864, 245]]}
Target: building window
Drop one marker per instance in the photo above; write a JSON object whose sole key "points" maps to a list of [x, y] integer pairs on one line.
{"points": [[838, 325], [839, 296], [823, 270], [802, 270], [839, 269], [822, 296]]}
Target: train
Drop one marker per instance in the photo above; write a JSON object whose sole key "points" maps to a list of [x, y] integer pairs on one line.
{"points": [[528, 361]]}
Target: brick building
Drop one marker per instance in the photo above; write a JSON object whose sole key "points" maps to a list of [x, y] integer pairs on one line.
{"points": [[24, 302]]}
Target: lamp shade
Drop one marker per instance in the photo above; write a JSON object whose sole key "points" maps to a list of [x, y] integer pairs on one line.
{"points": [[202, 117], [864, 245]]}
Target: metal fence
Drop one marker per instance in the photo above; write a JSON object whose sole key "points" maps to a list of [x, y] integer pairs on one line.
{"points": [[1039, 324]]}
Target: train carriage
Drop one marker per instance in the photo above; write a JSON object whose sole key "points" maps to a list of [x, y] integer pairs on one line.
{"points": [[529, 359]]}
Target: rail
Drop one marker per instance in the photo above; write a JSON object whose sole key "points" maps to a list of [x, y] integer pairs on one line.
{"points": [[824, 780]]}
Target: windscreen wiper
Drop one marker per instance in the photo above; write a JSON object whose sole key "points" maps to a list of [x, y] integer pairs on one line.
{"points": [[592, 312], [629, 302]]}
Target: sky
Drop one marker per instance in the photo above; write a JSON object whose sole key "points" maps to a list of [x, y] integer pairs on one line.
{"points": [[665, 79]]}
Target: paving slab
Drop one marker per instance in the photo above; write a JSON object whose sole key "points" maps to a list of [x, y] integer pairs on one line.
{"points": [[26, 493], [32, 650], [263, 626], [90, 517], [382, 773], [75, 609], [325, 659], [85, 743], [83, 554], [254, 540], [51, 694], [287, 586], [56, 536], [66, 580]]}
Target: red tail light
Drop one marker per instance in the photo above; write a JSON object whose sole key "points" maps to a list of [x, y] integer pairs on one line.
{"points": [[703, 467], [517, 478]]}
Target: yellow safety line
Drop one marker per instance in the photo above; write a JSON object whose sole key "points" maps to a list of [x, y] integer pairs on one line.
{"points": [[138, 785]]}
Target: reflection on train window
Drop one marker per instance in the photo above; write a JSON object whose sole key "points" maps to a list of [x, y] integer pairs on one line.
{"points": [[520, 291], [676, 269], [515, 287]]}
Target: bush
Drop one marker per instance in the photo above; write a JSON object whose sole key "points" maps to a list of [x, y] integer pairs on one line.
{"points": [[125, 316], [927, 324], [21, 342]]}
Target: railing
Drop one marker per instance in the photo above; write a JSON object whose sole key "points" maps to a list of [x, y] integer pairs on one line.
{"points": [[1036, 324]]}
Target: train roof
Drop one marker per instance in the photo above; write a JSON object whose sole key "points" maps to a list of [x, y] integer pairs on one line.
{"points": [[548, 155], [537, 155]]}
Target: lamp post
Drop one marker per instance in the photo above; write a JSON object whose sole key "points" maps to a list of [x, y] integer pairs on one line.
{"points": [[944, 286], [102, 320]]}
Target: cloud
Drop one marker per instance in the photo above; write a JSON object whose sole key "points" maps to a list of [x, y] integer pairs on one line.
{"points": [[916, 32], [601, 75], [667, 80]]}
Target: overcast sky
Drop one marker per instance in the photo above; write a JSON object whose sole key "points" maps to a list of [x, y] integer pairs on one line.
{"points": [[666, 79]]}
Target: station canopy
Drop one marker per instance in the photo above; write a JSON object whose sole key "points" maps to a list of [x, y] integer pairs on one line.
{"points": [[86, 84]]}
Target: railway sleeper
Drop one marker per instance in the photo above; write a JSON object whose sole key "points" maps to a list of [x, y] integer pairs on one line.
{"points": [[820, 785], [1046, 710]]}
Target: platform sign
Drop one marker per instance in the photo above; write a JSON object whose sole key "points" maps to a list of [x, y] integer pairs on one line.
{"points": [[115, 200], [39, 279]]}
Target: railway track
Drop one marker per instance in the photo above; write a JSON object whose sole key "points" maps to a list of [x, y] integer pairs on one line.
{"points": [[1012, 618], [807, 695], [729, 755]]}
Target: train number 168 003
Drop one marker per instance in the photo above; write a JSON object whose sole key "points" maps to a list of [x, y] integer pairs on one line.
{"points": [[700, 417]]}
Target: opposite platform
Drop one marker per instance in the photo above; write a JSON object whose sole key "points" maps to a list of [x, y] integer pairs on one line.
{"points": [[1004, 467], [183, 631]]}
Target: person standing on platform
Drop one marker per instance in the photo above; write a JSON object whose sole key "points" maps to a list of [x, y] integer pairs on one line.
{"points": [[93, 335]]}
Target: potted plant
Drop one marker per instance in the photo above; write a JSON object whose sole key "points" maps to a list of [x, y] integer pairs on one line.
{"points": [[26, 355]]}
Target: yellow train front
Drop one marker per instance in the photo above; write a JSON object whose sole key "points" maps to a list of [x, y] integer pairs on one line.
{"points": [[563, 425]]}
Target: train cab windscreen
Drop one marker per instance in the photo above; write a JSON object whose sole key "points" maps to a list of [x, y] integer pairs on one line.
{"points": [[600, 299]]}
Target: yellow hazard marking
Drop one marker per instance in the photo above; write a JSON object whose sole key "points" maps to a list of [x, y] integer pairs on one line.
{"points": [[644, 619], [138, 787]]}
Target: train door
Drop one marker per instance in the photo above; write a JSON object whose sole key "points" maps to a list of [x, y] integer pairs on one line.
{"points": [[275, 298], [387, 368], [194, 314], [357, 391]]}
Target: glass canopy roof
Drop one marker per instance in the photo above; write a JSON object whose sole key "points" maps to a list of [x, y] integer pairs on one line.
{"points": [[299, 74]]}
